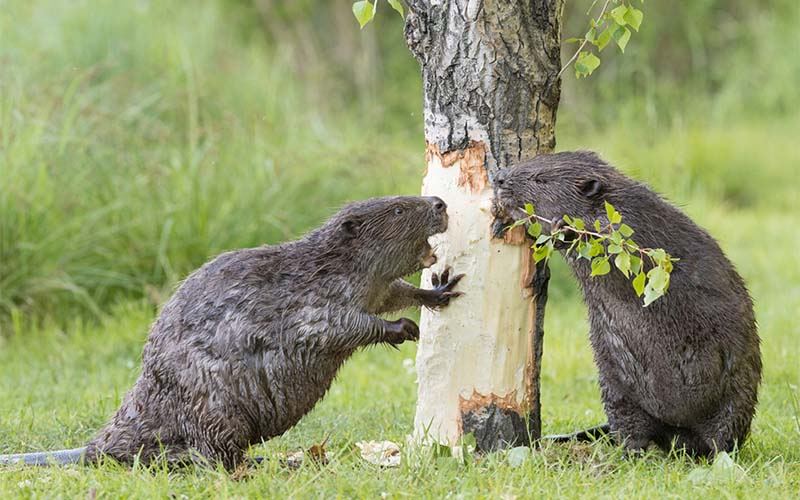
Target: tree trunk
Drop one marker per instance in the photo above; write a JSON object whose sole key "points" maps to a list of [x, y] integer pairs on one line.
{"points": [[491, 93]]}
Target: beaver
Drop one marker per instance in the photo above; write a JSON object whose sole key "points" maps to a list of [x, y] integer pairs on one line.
{"points": [[252, 340], [682, 372]]}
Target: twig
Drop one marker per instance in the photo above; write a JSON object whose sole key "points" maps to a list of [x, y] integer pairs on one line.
{"points": [[585, 41], [581, 232]]}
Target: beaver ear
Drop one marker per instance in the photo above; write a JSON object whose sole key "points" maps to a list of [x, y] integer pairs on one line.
{"points": [[592, 188], [350, 227]]}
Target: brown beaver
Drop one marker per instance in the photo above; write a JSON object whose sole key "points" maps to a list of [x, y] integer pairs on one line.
{"points": [[253, 339], [685, 370]]}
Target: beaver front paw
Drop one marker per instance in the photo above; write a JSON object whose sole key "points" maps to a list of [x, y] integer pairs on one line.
{"points": [[442, 290], [401, 330]]}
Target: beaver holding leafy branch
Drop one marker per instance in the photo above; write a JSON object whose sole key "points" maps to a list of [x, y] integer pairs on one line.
{"points": [[682, 372], [252, 340]]}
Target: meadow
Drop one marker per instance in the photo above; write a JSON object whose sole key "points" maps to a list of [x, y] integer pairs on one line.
{"points": [[138, 139]]}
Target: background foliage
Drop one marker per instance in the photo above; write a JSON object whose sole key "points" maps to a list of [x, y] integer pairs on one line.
{"points": [[127, 128], [140, 138]]}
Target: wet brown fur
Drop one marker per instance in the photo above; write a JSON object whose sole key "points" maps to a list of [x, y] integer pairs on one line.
{"points": [[686, 369], [252, 340]]}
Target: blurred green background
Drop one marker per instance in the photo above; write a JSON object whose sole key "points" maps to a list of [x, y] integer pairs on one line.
{"points": [[140, 138]]}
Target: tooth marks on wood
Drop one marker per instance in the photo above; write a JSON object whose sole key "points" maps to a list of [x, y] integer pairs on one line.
{"points": [[471, 164]]}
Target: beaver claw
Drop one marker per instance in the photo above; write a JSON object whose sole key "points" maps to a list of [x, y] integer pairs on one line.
{"points": [[499, 228], [442, 290], [558, 225], [400, 330]]}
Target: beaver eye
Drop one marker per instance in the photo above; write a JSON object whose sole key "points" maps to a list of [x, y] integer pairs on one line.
{"points": [[398, 211]]}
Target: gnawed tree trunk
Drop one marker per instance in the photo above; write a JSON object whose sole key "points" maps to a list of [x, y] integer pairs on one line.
{"points": [[490, 96]]}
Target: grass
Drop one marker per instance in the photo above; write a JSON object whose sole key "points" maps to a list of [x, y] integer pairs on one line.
{"points": [[58, 388], [137, 139], [128, 160]]}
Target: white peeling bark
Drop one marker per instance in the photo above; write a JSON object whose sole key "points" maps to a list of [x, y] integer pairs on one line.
{"points": [[490, 96], [478, 346]]}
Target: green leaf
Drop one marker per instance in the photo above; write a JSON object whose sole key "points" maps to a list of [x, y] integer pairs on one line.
{"points": [[535, 229], [638, 284], [618, 14], [651, 295], [396, 5], [625, 230], [578, 224], [583, 250], [586, 63], [600, 266], [612, 249], [364, 12], [657, 279], [572, 40], [621, 36], [658, 254], [591, 34], [603, 39], [541, 239], [636, 265], [568, 219], [634, 17], [541, 252], [597, 225], [529, 208], [623, 263], [613, 216], [595, 248]]}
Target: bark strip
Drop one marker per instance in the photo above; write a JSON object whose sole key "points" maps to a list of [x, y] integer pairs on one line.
{"points": [[533, 365]]}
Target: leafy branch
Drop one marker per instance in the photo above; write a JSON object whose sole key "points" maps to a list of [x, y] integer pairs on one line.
{"points": [[365, 10], [608, 25], [648, 268]]}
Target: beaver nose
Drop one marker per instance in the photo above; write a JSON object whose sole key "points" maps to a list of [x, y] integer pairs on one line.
{"points": [[438, 204], [500, 179]]}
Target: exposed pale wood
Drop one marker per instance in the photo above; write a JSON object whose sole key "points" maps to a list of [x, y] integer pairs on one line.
{"points": [[491, 93]]}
